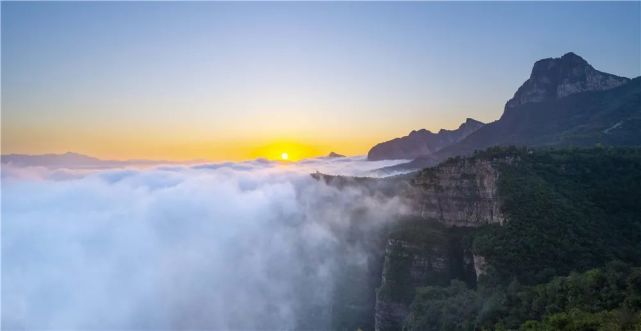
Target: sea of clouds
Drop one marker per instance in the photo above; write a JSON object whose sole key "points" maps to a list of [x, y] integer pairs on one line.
{"points": [[229, 246]]}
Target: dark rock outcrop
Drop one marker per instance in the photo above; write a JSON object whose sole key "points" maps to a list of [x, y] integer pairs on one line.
{"points": [[421, 142], [417, 255], [555, 78], [333, 155]]}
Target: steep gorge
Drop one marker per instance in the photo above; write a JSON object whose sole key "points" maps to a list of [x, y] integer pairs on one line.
{"points": [[504, 214], [430, 249], [428, 246]]}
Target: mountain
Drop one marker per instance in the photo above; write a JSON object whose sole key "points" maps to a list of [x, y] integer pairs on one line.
{"points": [[334, 155], [564, 103], [611, 118], [70, 160], [555, 78], [65, 160], [421, 143]]}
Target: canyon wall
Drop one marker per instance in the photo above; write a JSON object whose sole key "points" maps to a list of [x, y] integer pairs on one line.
{"points": [[459, 193], [417, 255], [450, 200]]}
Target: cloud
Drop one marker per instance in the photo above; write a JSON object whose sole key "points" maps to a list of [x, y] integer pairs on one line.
{"points": [[252, 245]]}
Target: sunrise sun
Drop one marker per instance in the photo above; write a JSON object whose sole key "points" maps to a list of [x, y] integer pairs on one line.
{"points": [[284, 156]]}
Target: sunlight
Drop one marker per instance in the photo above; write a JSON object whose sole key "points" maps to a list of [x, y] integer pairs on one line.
{"points": [[287, 150]]}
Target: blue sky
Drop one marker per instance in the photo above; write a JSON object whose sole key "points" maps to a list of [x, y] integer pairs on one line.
{"points": [[220, 80]]}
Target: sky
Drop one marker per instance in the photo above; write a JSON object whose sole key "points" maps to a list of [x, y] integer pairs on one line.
{"points": [[243, 80]]}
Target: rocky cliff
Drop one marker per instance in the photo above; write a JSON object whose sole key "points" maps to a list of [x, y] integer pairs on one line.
{"points": [[555, 78], [423, 248], [417, 255], [450, 200], [459, 193]]}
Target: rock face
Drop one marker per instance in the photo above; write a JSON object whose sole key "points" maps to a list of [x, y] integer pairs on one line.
{"points": [[555, 78], [450, 200], [459, 193], [421, 143], [334, 155], [390, 315], [418, 256], [480, 265]]}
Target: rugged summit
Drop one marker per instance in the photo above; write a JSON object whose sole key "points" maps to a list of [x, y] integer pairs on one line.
{"points": [[564, 103], [554, 78], [422, 142]]}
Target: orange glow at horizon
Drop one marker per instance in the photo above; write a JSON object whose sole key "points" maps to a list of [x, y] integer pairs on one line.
{"points": [[121, 147], [287, 150]]}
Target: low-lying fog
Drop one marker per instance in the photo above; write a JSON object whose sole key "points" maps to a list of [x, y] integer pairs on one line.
{"points": [[249, 245]]}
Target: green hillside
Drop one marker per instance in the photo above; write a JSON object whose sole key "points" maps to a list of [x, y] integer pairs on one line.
{"points": [[568, 256]]}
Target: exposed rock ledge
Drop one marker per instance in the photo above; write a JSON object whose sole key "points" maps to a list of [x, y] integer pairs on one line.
{"points": [[480, 265], [462, 193]]}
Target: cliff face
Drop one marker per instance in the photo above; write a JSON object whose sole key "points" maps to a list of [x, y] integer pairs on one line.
{"points": [[450, 200], [416, 256], [462, 193], [567, 211], [425, 248]]}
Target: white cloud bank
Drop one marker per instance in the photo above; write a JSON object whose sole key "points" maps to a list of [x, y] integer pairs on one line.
{"points": [[253, 245]]}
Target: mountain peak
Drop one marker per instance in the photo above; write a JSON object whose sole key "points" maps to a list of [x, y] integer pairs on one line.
{"points": [[422, 142], [420, 132], [572, 55], [471, 122], [571, 58], [554, 78]]}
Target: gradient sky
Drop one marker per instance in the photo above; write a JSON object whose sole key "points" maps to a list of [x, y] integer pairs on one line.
{"points": [[242, 80]]}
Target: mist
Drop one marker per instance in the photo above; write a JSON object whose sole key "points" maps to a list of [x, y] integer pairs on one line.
{"points": [[229, 246]]}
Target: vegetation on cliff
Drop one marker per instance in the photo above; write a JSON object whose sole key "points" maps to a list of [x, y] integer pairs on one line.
{"points": [[567, 210], [566, 257], [605, 298]]}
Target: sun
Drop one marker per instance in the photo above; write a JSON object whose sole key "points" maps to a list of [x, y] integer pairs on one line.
{"points": [[284, 156]]}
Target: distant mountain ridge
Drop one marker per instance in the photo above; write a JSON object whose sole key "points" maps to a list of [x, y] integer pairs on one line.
{"points": [[564, 103], [422, 142], [71, 160]]}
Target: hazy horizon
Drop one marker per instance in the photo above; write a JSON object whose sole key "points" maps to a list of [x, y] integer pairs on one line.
{"points": [[239, 81]]}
